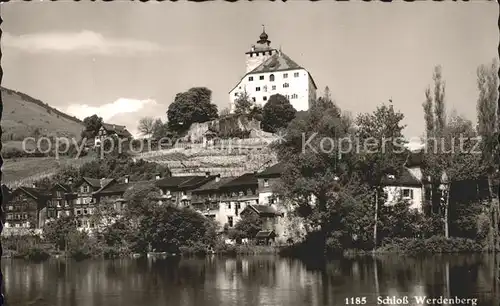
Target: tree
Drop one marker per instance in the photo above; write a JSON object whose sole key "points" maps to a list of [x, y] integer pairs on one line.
{"points": [[189, 107], [436, 162], [247, 227], [243, 104], [315, 181], [488, 124], [383, 131], [146, 126], [224, 112], [277, 113], [59, 232], [91, 124]]}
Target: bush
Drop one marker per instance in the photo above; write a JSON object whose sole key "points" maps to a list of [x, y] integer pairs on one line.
{"points": [[432, 245], [36, 253]]}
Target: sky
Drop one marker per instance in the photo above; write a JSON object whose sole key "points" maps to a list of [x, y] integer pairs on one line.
{"points": [[127, 60]]}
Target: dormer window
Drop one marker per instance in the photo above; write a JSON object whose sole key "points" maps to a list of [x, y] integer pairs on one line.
{"points": [[266, 183]]}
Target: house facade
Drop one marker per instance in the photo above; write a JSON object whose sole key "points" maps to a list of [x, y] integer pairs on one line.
{"points": [[61, 202], [110, 130], [24, 208], [177, 190], [270, 71], [85, 204]]}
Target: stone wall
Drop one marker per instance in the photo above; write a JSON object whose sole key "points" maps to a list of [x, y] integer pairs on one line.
{"points": [[227, 124]]}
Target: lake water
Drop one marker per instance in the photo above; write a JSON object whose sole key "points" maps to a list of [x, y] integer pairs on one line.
{"points": [[266, 280]]}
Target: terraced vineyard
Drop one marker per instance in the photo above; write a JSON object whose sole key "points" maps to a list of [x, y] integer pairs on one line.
{"points": [[197, 160]]}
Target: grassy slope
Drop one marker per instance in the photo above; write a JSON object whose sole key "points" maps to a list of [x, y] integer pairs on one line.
{"points": [[24, 171], [22, 114]]}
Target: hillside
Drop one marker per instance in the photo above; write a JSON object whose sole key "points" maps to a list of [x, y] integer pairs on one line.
{"points": [[24, 116], [246, 155]]}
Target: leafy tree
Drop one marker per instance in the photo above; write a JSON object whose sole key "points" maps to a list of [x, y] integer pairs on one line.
{"points": [[488, 126], [168, 229], [189, 107], [435, 163], [224, 112], [315, 180], [59, 232], [140, 197], [277, 113], [159, 129], [256, 113], [383, 152], [243, 104], [448, 158], [146, 126], [92, 124], [247, 227]]}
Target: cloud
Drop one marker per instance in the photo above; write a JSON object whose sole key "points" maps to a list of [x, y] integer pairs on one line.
{"points": [[85, 42], [123, 111]]}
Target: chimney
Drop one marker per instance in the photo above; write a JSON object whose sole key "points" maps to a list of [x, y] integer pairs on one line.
{"points": [[207, 174], [157, 176], [127, 178]]}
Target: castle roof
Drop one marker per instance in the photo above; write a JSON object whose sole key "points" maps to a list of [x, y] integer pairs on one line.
{"points": [[277, 62]]}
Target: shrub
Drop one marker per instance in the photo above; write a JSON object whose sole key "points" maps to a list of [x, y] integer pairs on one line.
{"points": [[432, 245]]}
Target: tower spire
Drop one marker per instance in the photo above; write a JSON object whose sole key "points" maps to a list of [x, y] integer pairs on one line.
{"points": [[263, 38]]}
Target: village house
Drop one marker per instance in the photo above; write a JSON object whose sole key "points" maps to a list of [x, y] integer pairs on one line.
{"points": [[235, 196], [61, 201], [109, 130], [270, 218], [177, 190], [206, 199], [85, 204], [23, 209]]}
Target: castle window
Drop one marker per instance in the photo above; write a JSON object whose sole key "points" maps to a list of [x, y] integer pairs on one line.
{"points": [[257, 88], [273, 87], [235, 94], [264, 98], [286, 85], [253, 99], [296, 74], [261, 77], [295, 96], [271, 78], [230, 221], [250, 79], [285, 75]]}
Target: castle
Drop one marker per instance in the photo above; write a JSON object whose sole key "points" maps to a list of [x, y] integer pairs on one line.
{"points": [[269, 71]]}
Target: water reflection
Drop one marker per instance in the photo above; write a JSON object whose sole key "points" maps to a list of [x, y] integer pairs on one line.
{"points": [[247, 281]]}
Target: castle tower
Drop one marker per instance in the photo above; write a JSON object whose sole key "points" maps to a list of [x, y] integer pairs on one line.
{"points": [[259, 52]]}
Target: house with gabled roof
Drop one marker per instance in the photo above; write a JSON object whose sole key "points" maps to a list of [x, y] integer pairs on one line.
{"points": [[85, 203], [177, 190], [269, 71], [110, 130], [61, 200], [24, 209]]}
